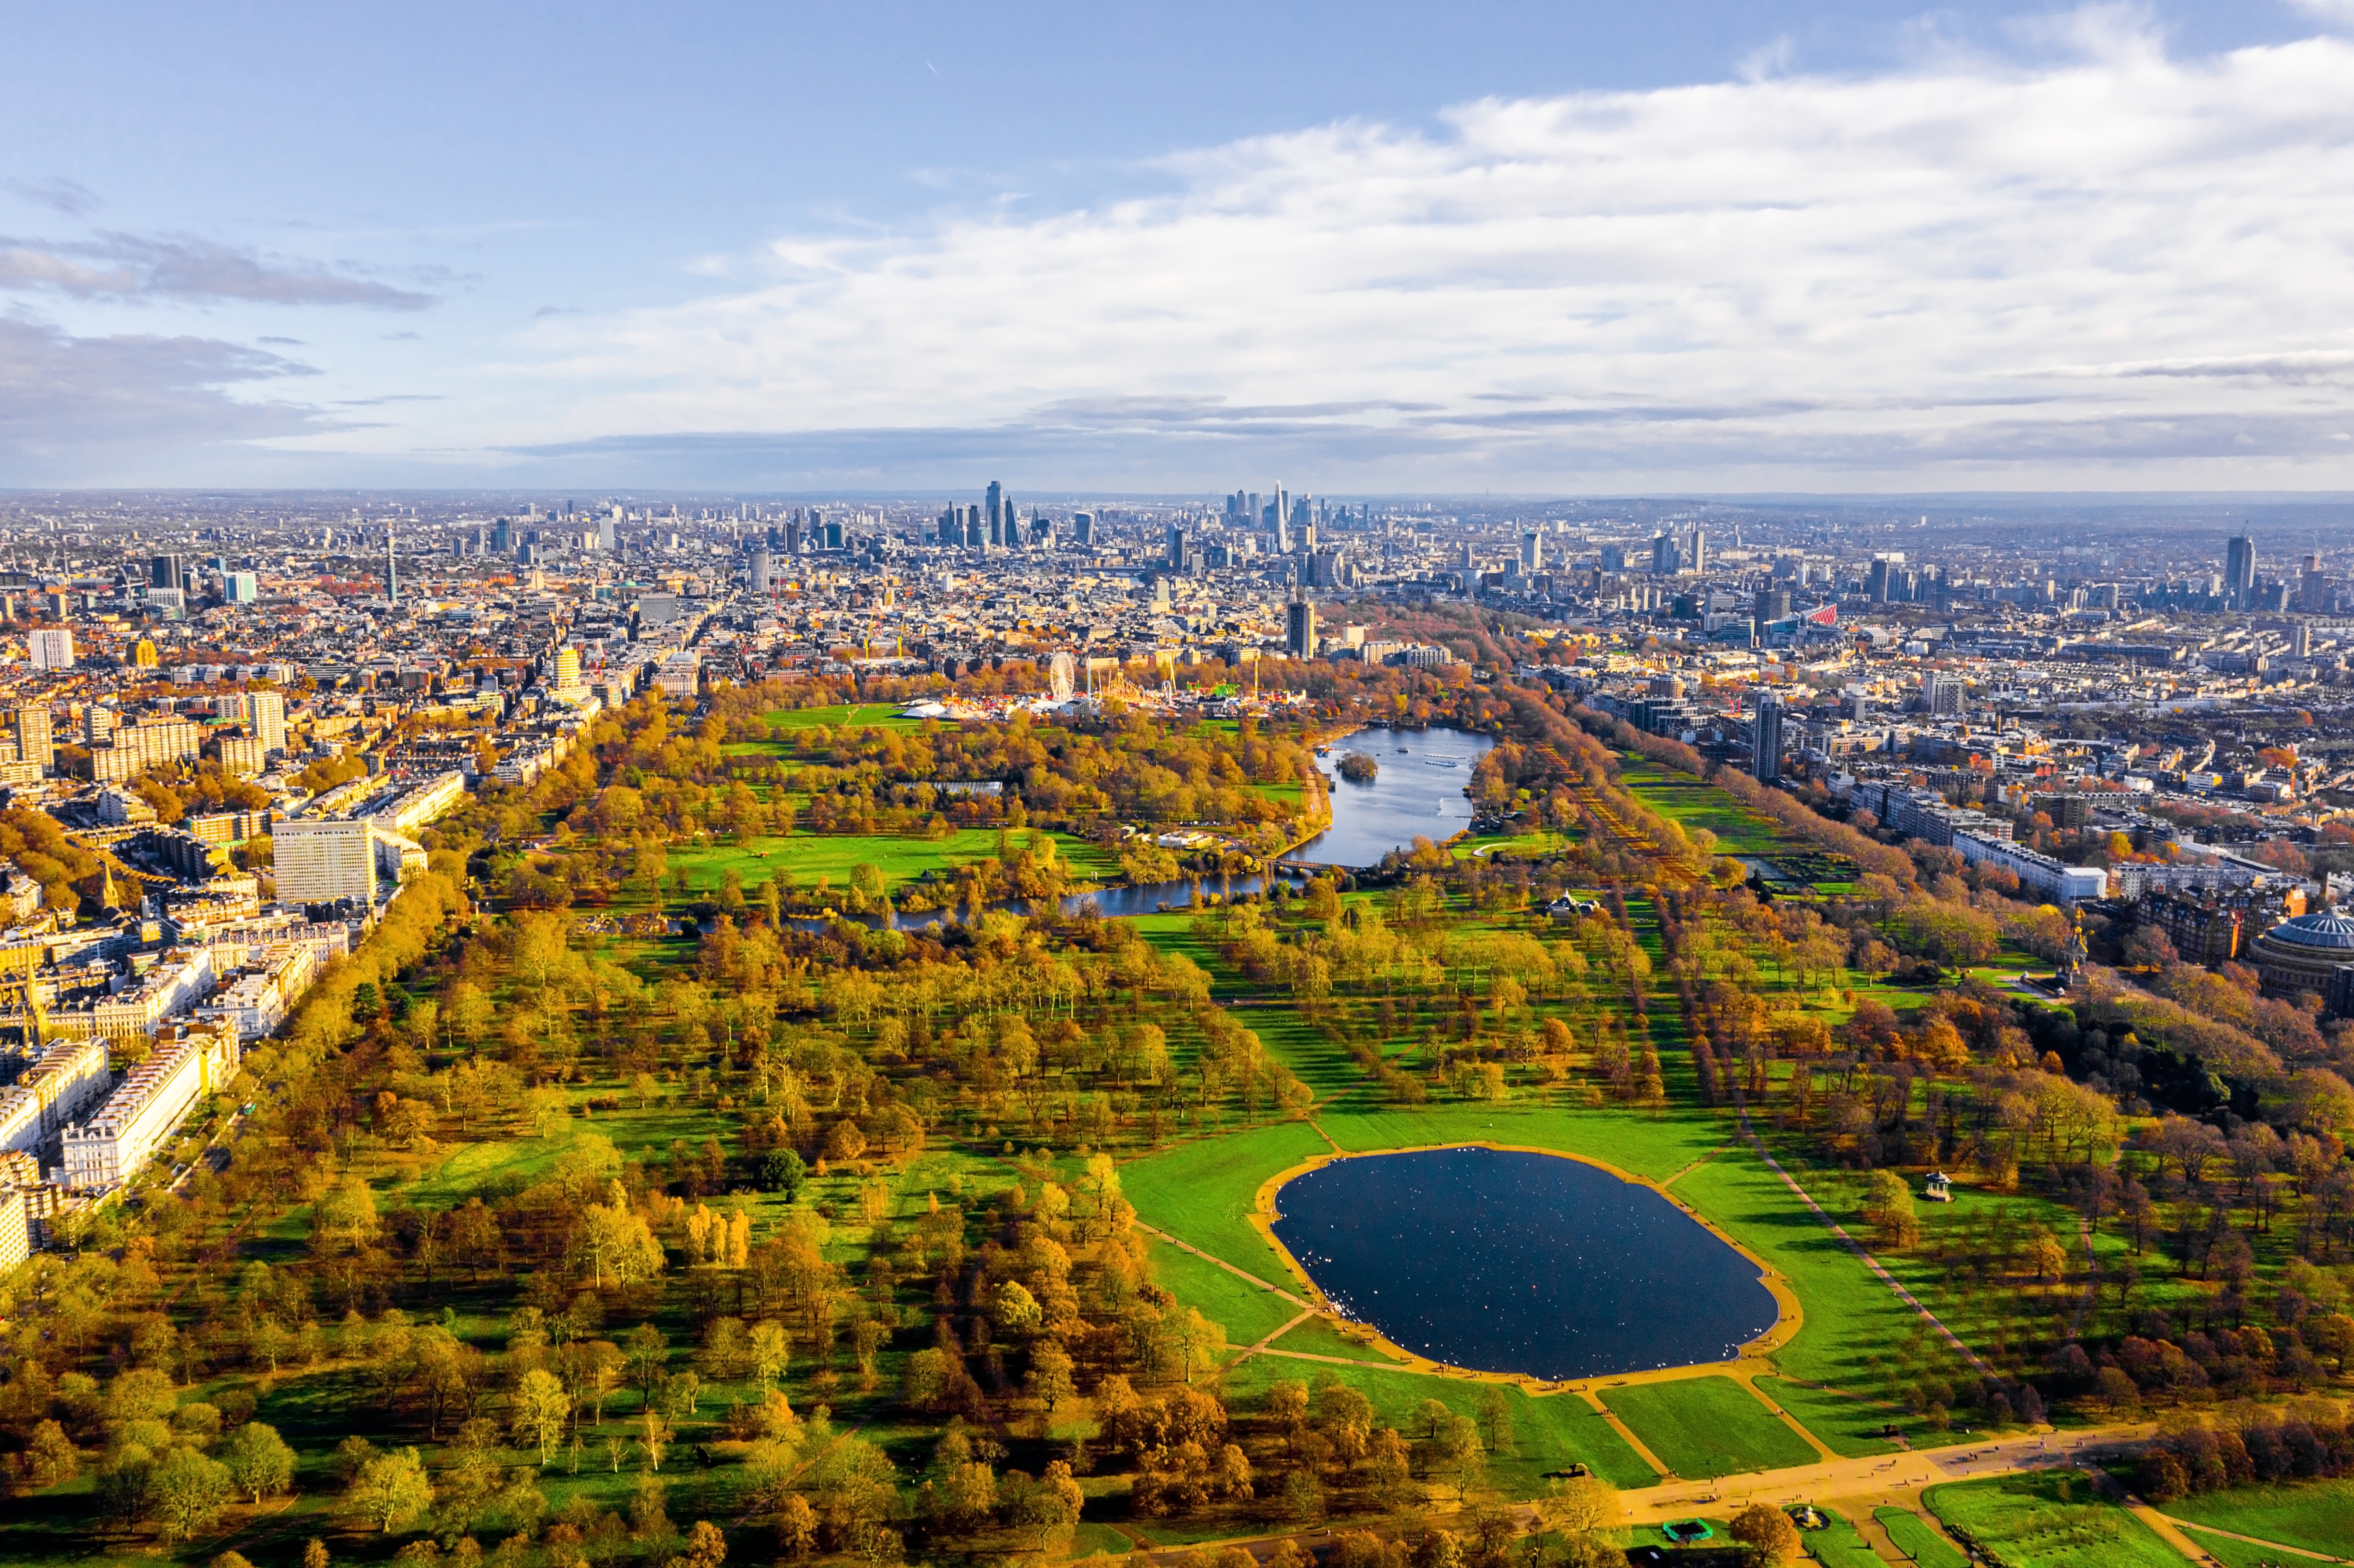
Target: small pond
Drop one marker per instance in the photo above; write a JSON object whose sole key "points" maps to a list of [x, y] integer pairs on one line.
{"points": [[1509, 1262]]}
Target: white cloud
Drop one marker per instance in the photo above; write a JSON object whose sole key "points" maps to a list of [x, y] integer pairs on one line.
{"points": [[2109, 266]]}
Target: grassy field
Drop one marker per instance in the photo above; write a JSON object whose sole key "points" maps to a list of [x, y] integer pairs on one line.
{"points": [[808, 856], [2316, 1515], [1707, 1426], [2053, 1519], [1837, 1545], [1548, 1433], [1689, 803], [1919, 1539], [1851, 1317], [1632, 1140], [1850, 1426], [1317, 1337], [1202, 1192], [1247, 1312], [842, 716], [2233, 1553]]}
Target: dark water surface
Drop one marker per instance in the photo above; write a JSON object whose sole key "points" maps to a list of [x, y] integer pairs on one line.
{"points": [[1507, 1262]]}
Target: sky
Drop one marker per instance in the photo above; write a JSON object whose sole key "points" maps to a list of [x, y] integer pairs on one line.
{"points": [[1845, 247]]}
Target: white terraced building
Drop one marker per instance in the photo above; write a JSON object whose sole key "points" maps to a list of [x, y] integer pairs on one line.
{"points": [[258, 998], [57, 1089], [181, 978], [189, 1062]]}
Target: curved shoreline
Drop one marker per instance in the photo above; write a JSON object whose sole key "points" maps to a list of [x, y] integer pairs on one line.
{"points": [[1753, 1360]]}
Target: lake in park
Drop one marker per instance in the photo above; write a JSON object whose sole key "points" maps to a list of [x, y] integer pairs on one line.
{"points": [[1417, 791], [1508, 1262]]}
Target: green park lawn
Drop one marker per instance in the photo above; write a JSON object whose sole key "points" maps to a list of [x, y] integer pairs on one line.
{"points": [[1528, 845], [1837, 1544], [1247, 1312], [2316, 1515], [1204, 1192], [2049, 1519], [842, 716], [902, 860], [1549, 1432], [1919, 1539], [1317, 1337], [1706, 1426], [1632, 1140], [1850, 1316], [1689, 803], [1850, 1427]]}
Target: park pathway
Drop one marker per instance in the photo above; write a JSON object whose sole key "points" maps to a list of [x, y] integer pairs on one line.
{"points": [[2308, 1553], [1262, 1348], [2092, 1278], [1857, 1248], [1627, 1434], [1230, 1268]]}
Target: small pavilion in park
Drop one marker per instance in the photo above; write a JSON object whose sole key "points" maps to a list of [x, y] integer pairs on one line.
{"points": [[1941, 1188]]}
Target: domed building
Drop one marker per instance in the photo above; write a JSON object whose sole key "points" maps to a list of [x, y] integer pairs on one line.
{"points": [[2312, 952]]}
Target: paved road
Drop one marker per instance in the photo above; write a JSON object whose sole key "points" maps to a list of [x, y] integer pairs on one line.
{"points": [[1896, 1477], [1853, 1485]]}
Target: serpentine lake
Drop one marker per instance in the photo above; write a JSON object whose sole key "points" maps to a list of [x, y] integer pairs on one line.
{"points": [[1415, 791], [1504, 1261]]}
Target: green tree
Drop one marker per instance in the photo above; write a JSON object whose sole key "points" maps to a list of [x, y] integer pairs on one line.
{"points": [[1888, 1209], [541, 1408], [259, 1461], [389, 1490], [190, 1489]]}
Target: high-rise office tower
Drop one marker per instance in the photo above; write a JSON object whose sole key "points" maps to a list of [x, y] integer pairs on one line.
{"points": [[608, 530], [1765, 739], [793, 533], [2240, 571], [163, 572], [1083, 529], [1531, 551], [1299, 629], [1176, 548], [1875, 581], [503, 537], [1665, 559], [266, 711], [391, 571], [2313, 587], [996, 513], [762, 568], [1699, 551], [34, 741]]}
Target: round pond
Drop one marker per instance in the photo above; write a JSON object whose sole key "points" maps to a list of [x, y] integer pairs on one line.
{"points": [[1509, 1262]]}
